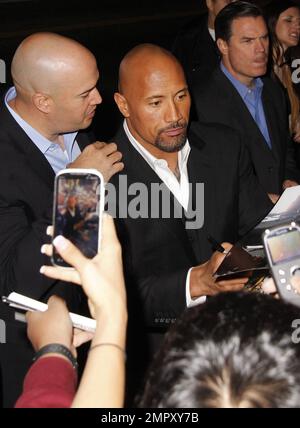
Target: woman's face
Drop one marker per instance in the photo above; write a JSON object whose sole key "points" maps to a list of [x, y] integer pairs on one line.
{"points": [[288, 27]]}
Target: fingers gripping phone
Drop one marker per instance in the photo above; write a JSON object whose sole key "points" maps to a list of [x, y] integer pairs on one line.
{"points": [[282, 245], [77, 210]]}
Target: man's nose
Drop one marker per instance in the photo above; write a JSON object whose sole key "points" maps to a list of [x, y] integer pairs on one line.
{"points": [[96, 97], [173, 113], [261, 45]]}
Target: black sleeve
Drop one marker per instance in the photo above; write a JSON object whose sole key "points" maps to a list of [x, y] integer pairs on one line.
{"points": [[21, 238], [161, 299], [20, 255]]}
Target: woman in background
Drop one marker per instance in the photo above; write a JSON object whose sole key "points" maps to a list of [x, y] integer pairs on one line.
{"points": [[283, 19]]}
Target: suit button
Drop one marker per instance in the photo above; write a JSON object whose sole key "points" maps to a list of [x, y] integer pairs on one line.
{"points": [[191, 238], [270, 169]]}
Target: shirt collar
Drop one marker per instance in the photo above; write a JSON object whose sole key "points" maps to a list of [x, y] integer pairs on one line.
{"points": [[39, 140], [242, 89], [183, 154]]}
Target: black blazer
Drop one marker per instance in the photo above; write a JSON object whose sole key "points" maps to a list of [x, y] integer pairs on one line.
{"points": [[158, 252], [218, 101], [196, 50], [26, 193]]}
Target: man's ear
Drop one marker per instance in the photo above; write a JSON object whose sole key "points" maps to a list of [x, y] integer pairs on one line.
{"points": [[121, 102], [223, 46], [42, 102]]}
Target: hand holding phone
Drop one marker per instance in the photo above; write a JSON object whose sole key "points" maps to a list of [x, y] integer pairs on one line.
{"points": [[77, 210], [282, 246]]}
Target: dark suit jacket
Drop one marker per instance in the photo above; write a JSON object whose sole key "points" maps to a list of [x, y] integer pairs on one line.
{"points": [[158, 252], [196, 51], [218, 101], [26, 193]]}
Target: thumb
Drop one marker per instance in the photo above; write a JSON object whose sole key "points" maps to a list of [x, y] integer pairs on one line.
{"points": [[217, 257], [56, 302], [69, 252]]}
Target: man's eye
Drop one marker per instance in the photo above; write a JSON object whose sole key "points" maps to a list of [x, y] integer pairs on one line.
{"points": [[155, 103], [182, 96], [85, 95]]}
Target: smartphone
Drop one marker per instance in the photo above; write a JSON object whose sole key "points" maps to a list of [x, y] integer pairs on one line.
{"points": [[282, 246], [77, 210]]}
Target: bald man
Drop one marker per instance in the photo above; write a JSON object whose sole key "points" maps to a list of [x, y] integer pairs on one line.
{"points": [[43, 118], [168, 259]]}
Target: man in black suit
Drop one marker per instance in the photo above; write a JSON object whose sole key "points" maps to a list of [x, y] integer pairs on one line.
{"points": [[195, 45], [235, 96], [54, 97], [168, 260]]}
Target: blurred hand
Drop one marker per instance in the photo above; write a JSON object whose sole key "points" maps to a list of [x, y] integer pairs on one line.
{"points": [[202, 282], [289, 183], [296, 132], [274, 198], [104, 157], [101, 277], [51, 326], [269, 286]]}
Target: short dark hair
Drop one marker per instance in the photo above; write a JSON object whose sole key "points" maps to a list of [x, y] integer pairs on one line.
{"points": [[231, 12], [236, 350]]}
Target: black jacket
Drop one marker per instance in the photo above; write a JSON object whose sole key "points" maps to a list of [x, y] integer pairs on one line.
{"points": [[197, 52], [218, 101], [26, 194], [158, 252]]}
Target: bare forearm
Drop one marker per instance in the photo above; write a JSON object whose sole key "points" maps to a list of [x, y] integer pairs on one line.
{"points": [[103, 380]]}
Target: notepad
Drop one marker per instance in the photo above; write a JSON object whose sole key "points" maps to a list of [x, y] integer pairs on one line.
{"points": [[18, 301]]}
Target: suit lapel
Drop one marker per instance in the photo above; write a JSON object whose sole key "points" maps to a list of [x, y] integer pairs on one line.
{"points": [[26, 148], [238, 107], [201, 170]]}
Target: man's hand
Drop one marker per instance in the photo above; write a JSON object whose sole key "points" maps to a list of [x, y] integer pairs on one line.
{"points": [[51, 326], [202, 282], [289, 183], [104, 157]]}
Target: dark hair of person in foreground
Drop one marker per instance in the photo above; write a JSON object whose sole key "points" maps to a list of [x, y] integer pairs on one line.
{"points": [[236, 350]]}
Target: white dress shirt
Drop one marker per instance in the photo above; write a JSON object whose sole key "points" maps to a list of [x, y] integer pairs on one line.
{"points": [[179, 188]]}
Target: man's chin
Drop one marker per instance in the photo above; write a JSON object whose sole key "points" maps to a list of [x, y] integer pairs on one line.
{"points": [[171, 146]]}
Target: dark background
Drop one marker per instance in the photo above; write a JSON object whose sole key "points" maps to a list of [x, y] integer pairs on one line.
{"points": [[109, 28]]}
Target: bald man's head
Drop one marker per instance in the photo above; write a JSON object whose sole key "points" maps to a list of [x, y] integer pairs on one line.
{"points": [[154, 98], [143, 60], [42, 61], [55, 79]]}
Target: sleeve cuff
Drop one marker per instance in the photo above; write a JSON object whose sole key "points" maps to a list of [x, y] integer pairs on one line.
{"points": [[189, 301]]}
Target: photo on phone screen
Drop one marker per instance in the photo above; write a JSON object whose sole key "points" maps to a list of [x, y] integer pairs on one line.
{"points": [[77, 212]]}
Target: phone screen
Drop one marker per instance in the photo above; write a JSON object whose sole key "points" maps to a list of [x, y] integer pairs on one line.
{"points": [[77, 209], [285, 246]]}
